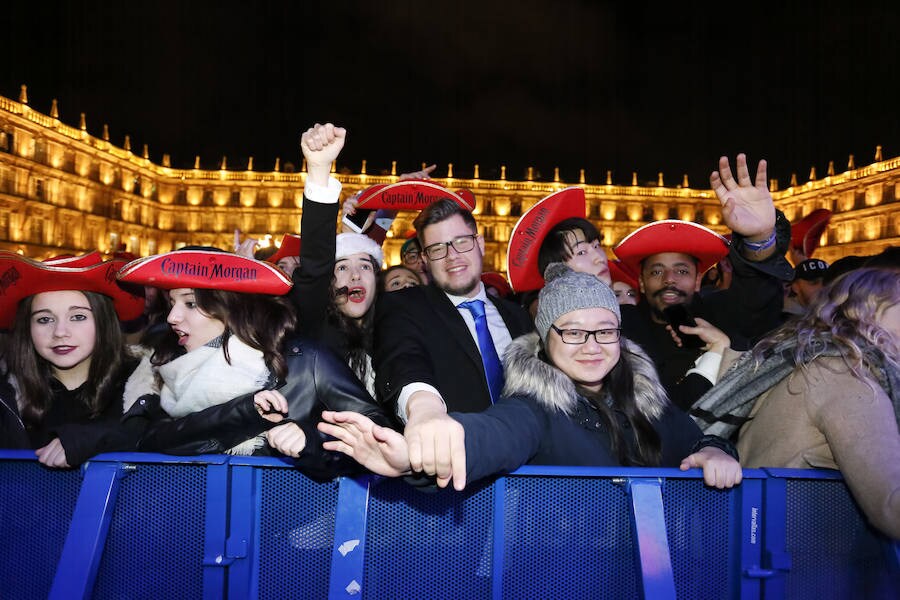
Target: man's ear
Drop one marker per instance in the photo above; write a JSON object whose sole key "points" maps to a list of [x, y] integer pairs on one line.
{"points": [[480, 239], [698, 281]]}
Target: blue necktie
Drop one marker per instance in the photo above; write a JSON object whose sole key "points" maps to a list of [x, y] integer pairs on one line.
{"points": [[493, 369]]}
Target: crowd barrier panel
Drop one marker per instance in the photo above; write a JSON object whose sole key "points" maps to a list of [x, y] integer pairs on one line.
{"points": [[157, 526]]}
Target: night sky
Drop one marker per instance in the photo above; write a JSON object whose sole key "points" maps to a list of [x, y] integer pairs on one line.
{"points": [[618, 86]]}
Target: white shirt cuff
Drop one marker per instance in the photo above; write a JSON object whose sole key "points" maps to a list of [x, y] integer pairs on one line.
{"points": [[329, 194], [407, 391], [708, 366]]}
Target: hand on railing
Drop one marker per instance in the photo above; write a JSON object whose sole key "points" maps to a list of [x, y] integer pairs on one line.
{"points": [[719, 469], [53, 455], [288, 439]]}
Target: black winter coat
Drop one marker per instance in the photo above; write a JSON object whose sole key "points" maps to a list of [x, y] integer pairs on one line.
{"points": [[317, 380]]}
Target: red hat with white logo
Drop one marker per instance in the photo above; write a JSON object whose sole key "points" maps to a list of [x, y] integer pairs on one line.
{"points": [[21, 277], [207, 268], [529, 233]]}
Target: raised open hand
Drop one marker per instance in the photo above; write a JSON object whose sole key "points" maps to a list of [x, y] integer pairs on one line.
{"points": [[747, 207]]}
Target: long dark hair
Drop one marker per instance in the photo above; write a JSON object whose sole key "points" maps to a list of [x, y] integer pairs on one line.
{"points": [[261, 321], [32, 372], [359, 333], [618, 395]]}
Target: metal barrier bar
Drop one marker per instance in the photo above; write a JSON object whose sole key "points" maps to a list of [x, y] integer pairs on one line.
{"points": [[80, 559], [749, 531], [242, 545], [652, 547], [498, 555], [348, 554], [217, 553]]}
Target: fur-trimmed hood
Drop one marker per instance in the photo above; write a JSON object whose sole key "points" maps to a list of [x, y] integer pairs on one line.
{"points": [[528, 375]]}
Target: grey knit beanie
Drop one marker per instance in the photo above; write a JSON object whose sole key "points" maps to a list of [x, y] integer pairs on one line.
{"points": [[565, 291]]}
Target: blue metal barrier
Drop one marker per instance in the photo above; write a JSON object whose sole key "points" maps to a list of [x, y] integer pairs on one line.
{"points": [[153, 526], [820, 545], [37, 506]]}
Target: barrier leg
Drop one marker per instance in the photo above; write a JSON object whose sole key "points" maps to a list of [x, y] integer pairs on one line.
{"points": [[498, 557], [218, 553], [80, 559], [348, 554], [649, 522]]}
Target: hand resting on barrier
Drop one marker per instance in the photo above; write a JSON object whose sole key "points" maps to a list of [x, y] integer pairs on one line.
{"points": [[720, 470]]}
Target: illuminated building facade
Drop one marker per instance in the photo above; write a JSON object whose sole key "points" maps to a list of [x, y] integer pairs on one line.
{"points": [[63, 191]]}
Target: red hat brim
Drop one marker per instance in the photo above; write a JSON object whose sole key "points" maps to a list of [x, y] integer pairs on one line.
{"points": [[290, 246], [207, 269], [498, 282], [529, 233], [85, 260], [807, 233], [21, 277], [409, 195], [619, 272], [670, 235]]}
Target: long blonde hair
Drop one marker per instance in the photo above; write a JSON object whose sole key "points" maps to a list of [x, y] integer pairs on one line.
{"points": [[846, 313]]}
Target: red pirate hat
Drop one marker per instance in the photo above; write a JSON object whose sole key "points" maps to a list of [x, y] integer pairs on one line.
{"points": [[671, 235], [468, 196], [67, 260], [807, 233], [290, 246], [619, 272], [21, 277], [207, 269], [496, 281], [530, 231], [413, 194]]}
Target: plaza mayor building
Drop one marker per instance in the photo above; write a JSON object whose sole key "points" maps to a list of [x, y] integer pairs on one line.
{"points": [[65, 191]]}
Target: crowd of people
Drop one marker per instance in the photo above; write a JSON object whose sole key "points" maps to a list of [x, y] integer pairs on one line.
{"points": [[688, 349]]}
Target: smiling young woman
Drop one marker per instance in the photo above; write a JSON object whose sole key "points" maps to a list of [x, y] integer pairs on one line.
{"points": [[65, 363]]}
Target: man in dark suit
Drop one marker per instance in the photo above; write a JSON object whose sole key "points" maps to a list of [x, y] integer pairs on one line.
{"points": [[428, 348]]}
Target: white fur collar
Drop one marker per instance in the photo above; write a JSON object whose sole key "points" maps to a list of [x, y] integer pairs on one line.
{"points": [[528, 375]]}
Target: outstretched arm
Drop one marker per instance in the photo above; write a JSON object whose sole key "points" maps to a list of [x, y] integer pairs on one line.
{"points": [[747, 206], [379, 449]]}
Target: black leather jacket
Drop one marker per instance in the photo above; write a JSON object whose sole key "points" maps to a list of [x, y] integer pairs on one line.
{"points": [[317, 380]]}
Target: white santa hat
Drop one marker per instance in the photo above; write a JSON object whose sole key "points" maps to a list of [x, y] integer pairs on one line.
{"points": [[354, 243]]}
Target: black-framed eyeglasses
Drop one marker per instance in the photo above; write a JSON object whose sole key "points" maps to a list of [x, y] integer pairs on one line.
{"points": [[411, 257], [580, 336], [463, 243]]}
